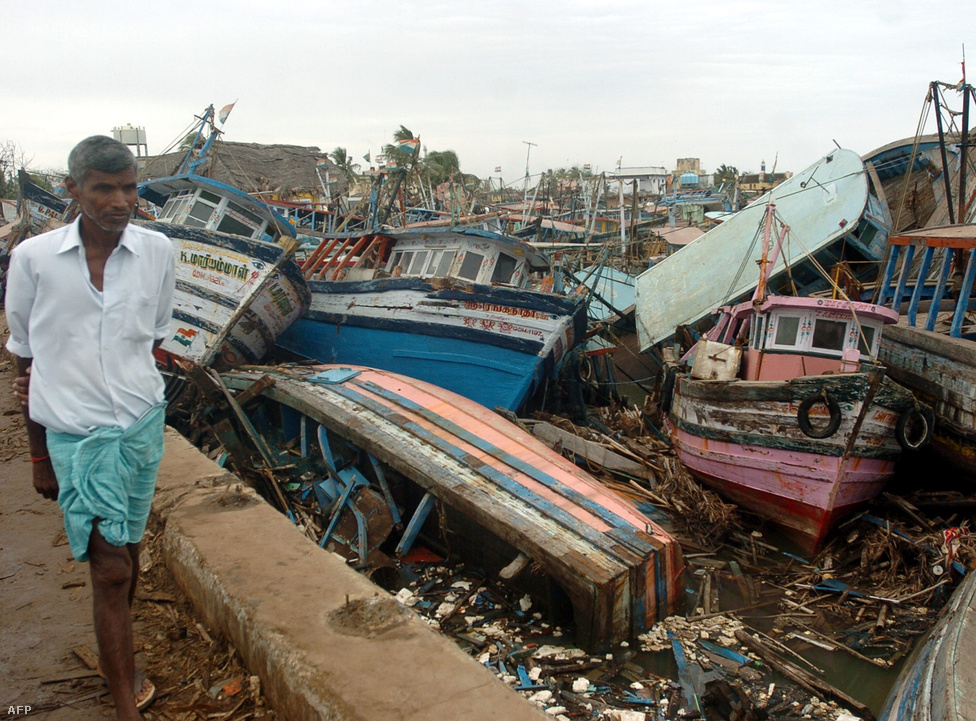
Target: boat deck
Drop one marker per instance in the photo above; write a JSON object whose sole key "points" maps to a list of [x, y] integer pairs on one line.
{"points": [[619, 570]]}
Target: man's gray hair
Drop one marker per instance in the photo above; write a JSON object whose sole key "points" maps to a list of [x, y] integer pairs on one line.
{"points": [[102, 153]]}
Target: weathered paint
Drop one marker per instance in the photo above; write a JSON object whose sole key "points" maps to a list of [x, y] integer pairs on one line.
{"points": [[743, 438], [234, 296], [491, 344], [938, 683], [941, 371], [619, 569]]}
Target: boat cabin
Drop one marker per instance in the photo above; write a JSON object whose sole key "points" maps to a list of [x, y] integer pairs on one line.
{"points": [[200, 202], [475, 259], [465, 254], [787, 337]]}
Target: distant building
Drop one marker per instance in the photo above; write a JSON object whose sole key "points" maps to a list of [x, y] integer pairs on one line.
{"points": [[762, 181], [651, 180]]}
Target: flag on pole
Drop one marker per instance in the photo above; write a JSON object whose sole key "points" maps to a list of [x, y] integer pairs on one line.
{"points": [[366, 157], [409, 145], [224, 112], [498, 168], [586, 167]]}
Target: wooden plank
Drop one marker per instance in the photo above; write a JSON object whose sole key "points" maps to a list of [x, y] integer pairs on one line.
{"points": [[592, 452]]}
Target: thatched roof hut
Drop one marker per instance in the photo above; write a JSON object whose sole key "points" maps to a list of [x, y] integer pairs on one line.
{"points": [[278, 172]]}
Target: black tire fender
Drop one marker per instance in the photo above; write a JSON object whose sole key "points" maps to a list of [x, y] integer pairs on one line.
{"points": [[803, 416], [906, 429]]}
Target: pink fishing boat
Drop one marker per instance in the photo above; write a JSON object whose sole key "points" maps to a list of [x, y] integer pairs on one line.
{"points": [[379, 451], [783, 408]]}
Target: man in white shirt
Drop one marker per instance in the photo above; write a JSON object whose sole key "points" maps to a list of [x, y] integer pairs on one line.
{"points": [[86, 305]]}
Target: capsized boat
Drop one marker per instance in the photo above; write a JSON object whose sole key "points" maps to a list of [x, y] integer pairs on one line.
{"points": [[448, 305], [238, 286], [783, 409], [834, 216], [379, 451]]}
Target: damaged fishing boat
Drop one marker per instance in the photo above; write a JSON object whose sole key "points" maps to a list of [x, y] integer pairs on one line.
{"points": [[449, 305], [373, 454], [238, 286], [783, 408]]}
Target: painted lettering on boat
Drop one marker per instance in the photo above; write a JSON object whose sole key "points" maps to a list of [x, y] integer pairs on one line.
{"points": [[205, 261], [506, 309], [281, 299]]}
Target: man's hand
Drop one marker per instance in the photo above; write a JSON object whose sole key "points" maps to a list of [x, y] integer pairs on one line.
{"points": [[45, 482], [21, 385]]}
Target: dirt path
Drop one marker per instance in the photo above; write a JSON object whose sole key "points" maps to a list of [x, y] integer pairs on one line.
{"points": [[45, 607]]}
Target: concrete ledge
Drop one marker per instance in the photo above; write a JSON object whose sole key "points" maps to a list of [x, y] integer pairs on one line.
{"points": [[326, 643]]}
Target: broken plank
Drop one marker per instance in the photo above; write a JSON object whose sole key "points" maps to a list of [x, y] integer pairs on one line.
{"points": [[591, 452]]}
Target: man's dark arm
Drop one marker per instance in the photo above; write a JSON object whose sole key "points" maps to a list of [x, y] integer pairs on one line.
{"points": [[45, 482]]}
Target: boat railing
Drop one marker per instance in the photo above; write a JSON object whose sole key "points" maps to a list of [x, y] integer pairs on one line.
{"points": [[335, 256], [957, 255]]}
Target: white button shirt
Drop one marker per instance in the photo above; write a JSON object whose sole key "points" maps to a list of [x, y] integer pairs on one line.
{"points": [[92, 351]]}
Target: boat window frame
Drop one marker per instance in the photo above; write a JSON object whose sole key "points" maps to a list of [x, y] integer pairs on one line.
{"points": [[803, 343]]}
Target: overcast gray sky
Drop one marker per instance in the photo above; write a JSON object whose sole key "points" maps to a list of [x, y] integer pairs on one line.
{"points": [[733, 82]]}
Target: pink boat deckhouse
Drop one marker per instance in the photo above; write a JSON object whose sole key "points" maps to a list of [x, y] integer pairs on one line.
{"points": [[783, 408]]}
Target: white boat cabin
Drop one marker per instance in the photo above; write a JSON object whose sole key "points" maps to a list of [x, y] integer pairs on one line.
{"points": [[199, 205], [471, 256]]}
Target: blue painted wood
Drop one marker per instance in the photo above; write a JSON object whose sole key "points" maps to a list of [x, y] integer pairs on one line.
{"points": [[385, 487], [489, 375], [940, 289], [923, 272], [889, 273], [964, 292], [692, 703], [724, 652], [903, 278], [624, 528], [415, 524]]}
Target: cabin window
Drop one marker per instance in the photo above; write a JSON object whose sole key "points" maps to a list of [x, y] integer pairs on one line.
{"points": [[232, 225], [503, 269], [199, 215], [175, 207], [865, 342], [787, 328], [395, 260], [471, 265], [440, 264], [829, 335], [417, 263]]}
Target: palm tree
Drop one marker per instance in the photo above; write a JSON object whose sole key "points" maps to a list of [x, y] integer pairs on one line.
{"points": [[726, 174], [343, 162]]}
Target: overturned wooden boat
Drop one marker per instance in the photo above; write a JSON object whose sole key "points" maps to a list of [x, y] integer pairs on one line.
{"points": [[938, 683], [379, 451]]}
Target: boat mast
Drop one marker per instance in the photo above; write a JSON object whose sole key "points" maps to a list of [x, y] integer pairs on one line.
{"points": [[195, 158], [760, 295]]}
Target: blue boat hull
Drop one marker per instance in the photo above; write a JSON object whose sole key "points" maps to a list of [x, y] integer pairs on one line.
{"points": [[489, 375]]}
